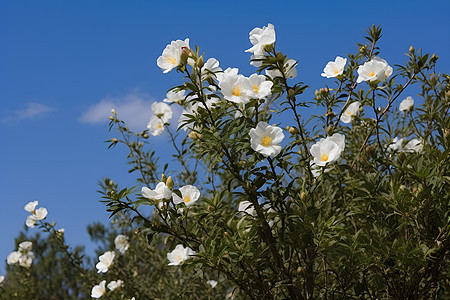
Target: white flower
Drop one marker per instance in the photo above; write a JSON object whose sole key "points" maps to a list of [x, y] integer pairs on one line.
{"points": [[260, 37], [160, 192], [121, 242], [247, 207], [212, 283], [156, 126], [99, 290], [376, 70], [414, 145], [258, 86], [31, 206], [229, 72], [338, 138], [334, 68], [211, 66], [266, 139], [396, 145], [31, 221], [325, 151], [113, 285], [26, 246], [407, 104], [256, 63], [26, 259], [60, 231], [13, 258], [162, 111], [189, 194], [171, 56], [351, 110], [106, 261], [40, 213], [172, 96], [233, 88], [2, 278], [179, 254], [289, 67]]}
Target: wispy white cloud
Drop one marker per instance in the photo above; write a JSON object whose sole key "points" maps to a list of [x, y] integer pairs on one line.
{"points": [[30, 111], [134, 109]]}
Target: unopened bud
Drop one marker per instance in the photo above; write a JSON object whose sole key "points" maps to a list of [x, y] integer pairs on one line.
{"points": [[194, 135], [200, 62], [114, 140], [329, 113], [163, 178], [330, 130], [411, 49], [226, 233], [113, 111], [447, 133], [111, 117], [169, 182], [291, 93], [434, 57], [145, 136], [184, 56], [299, 270], [317, 93], [280, 56], [293, 130], [362, 49]]}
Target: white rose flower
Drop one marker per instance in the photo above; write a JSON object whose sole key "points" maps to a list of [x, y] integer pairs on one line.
{"points": [[13, 258], [351, 110], [334, 68], [260, 37], [160, 192], [247, 207], [31, 206], [407, 104], [338, 138], [156, 126], [290, 70], [189, 194], [41, 213], [98, 290], [212, 283], [229, 72], [26, 246], [414, 145], [325, 151], [258, 86], [171, 56], [106, 261], [176, 97], [26, 259], [113, 285], [121, 243], [376, 70], [266, 139], [234, 88], [31, 221], [211, 66], [179, 254], [162, 111]]}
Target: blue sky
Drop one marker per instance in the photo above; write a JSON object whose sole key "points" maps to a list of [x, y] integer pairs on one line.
{"points": [[63, 63]]}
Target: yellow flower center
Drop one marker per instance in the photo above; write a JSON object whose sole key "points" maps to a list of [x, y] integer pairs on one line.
{"points": [[237, 91], [159, 126], [186, 199], [171, 60], [324, 157], [372, 74], [349, 112], [336, 71], [179, 258], [255, 88], [266, 141]]}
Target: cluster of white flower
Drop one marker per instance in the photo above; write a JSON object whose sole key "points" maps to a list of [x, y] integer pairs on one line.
{"points": [[36, 214], [99, 290], [326, 151], [189, 194], [24, 256], [179, 255], [413, 145], [162, 113]]}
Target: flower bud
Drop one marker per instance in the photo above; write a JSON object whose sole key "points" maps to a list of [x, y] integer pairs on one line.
{"points": [[299, 270], [169, 182], [184, 56], [163, 178], [145, 136], [113, 111], [291, 93], [111, 117], [280, 56], [114, 140], [293, 130], [303, 196], [240, 164], [317, 94], [330, 130], [194, 135], [200, 62], [411, 49]]}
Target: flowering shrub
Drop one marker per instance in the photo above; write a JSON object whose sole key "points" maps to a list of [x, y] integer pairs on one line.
{"points": [[350, 204]]}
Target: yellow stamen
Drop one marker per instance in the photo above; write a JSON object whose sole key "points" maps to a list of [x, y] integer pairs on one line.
{"points": [[179, 258], [324, 157], [255, 88], [266, 141], [171, 60], [372, 74], [237, 91], [336, 71], [159, 126], [186, 199]]}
